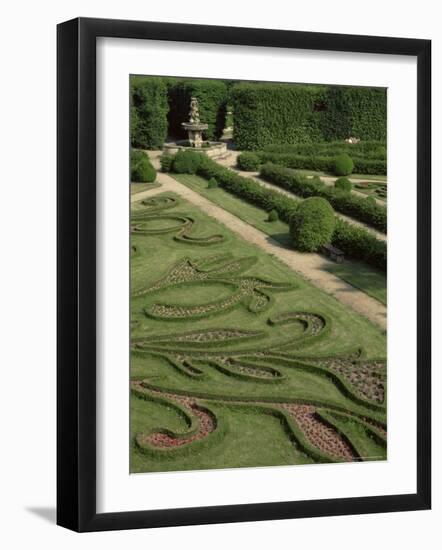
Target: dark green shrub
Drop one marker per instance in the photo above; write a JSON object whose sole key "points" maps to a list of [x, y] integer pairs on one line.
{"points": [[273, 216], [343, 165], [187, 162], [312, 224], [212, 100], [344, 184], [212, 184], [141, 169], [249, 162], [149, 108], [166, 162]]}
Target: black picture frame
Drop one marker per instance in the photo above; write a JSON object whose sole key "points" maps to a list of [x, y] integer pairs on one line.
{"points": [[77, 287]]}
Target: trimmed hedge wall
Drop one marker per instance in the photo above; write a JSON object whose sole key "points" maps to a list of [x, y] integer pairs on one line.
{"points": [[354, 241], [148, 112], [322, 163], [354, 111], [212, 100], [266, 113], [352, 205], [275, 113]]}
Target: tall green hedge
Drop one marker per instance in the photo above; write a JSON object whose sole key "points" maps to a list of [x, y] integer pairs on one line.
{"points": [[353, 111], [148, 112], [212, 100], [275, 113], [266, 114]]}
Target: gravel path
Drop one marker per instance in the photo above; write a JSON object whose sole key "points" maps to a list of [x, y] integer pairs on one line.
{"points": [[310, 266]]}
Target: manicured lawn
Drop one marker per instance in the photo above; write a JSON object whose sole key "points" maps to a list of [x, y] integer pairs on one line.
{"points": [[138, 187], [253, 215], [373, 283], [252, 437]]}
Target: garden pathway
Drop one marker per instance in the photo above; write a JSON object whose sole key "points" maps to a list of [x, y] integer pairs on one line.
{"points": [[310, 266]]}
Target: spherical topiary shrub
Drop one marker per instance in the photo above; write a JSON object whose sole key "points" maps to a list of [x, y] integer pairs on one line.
{"points": [[312, 224], [186, 162], [249, 162], [212, 184], [166, 162], [344, 184], [343, 165], [141, 169], [273, 216]]}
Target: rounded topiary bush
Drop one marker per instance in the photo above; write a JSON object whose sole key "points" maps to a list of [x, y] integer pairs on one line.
{"points": [[312, 224], [273, 216], [343, 165], [249, 162], [212, 184], [344, 184], [166, 162], [186, 162], [141, 169]]}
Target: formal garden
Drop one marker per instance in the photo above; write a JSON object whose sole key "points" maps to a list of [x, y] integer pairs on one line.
{"points": [[258, 274]]}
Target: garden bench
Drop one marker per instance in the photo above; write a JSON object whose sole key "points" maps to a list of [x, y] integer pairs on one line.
{"points": [[334, 253]]}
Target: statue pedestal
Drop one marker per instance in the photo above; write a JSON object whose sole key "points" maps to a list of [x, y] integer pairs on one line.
{"points": [[195, 132]]}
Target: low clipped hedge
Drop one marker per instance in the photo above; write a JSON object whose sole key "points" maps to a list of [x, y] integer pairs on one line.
{"points": [[344, 184], [322, 163], [141, 169], [371, 150], [360, 244], [343, 165], [352, 205], [312, 224], [249, 162], [354, 241]]}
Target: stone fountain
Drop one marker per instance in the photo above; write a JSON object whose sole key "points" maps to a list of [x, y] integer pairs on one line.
{"points": [[195, 129], [194, 126]]}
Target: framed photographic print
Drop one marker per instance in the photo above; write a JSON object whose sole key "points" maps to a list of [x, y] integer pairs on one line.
{"points": [[228, 346]]}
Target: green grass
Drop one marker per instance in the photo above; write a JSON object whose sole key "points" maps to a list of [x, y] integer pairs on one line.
{"points": [[359, 275], [138, 187], [253, 438], [247, 212], [372, 282], [259, 437]]}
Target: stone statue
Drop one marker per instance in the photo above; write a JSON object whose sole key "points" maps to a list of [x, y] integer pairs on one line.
{"points": [[194, 127], [194, 116]]}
